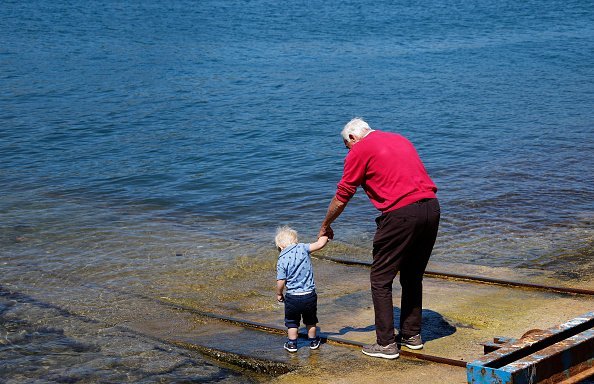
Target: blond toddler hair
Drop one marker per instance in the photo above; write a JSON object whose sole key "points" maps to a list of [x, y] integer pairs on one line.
{"points": [[285, 236]]}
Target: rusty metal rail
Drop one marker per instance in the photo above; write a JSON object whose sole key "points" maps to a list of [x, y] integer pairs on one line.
{"points": [[474, 279], [275, 329], [271, 328]]}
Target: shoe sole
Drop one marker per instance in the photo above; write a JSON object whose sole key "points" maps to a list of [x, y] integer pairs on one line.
{"points": [[291, 350], [316, 347], [414, 347], [382, 355]]}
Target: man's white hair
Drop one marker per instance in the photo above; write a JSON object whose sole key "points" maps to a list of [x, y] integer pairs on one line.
{"points": [[285, 235], [357, 127]]}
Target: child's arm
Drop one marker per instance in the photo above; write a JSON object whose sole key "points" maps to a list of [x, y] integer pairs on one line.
{"points": [[280, 286], [321, 243]]}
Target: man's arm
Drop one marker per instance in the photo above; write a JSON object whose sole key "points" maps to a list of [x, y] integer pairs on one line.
{"points": [[280, 286], [334, 210]]}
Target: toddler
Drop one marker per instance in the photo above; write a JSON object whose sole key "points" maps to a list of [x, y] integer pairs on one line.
{"points": [[295, 273]]}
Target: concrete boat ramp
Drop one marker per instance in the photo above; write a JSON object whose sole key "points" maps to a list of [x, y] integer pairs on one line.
{"points": [[239, 326]]}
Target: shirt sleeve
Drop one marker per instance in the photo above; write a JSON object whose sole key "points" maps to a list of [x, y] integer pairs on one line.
{"points": [[281, 270], [306, 249], [352, 176]]}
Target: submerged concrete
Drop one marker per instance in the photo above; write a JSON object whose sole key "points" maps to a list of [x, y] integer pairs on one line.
{"points": [[458, 317]]}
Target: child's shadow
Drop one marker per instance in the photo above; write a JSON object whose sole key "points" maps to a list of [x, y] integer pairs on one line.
{"points": [[434, 326]]}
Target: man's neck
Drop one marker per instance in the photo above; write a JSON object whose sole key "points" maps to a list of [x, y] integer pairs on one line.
{"points": [[367, 133]]}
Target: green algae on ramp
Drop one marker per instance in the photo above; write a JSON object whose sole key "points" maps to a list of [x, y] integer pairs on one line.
{"points": [[263, 366]]}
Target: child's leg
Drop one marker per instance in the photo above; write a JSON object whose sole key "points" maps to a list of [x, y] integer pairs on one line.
{"points": [[311, 331], [291, 344], [310, 319], [314, 341], [292, 333], [310, 314], [292, 319]]}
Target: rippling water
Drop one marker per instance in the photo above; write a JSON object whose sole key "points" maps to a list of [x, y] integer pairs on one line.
{"points": [[150, 129]]}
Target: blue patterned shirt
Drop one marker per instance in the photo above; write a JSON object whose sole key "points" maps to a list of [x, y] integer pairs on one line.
{"points": [[294, 266]]}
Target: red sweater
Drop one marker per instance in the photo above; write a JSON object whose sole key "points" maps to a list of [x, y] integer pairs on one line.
{"points": [[389, 169]]}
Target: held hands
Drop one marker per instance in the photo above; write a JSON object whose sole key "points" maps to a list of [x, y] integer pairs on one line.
{"points": [[326, 231]]}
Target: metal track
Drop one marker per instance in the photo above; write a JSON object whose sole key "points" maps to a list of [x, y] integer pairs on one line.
{"points": [[271, 328], [475, 279]]}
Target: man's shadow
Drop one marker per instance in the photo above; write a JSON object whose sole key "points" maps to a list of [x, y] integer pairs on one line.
{"points": [[434, 326]]}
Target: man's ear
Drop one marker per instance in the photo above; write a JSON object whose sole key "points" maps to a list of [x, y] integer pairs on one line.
{"points": [[351, 137]]}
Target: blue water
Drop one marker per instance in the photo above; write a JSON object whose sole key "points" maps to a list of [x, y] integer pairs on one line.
{"points": [[232, 110], [182, 123]]}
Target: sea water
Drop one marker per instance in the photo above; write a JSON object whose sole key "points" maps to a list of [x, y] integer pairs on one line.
{"points": [[144, 136]]}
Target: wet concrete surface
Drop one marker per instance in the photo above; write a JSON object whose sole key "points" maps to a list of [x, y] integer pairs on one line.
{"points": [[458, 316], [257, 356]]}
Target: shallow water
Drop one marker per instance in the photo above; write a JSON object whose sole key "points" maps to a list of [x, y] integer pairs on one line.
{"points": [[145, 139]]}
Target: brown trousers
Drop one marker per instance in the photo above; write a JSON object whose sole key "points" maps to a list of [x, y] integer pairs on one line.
{"points": [[403, 242]]}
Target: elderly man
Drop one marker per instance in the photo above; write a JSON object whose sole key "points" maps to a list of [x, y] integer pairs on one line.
{"points": [[390, 171]]}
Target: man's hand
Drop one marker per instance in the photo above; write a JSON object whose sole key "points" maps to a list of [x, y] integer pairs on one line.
{"points": [[280, 298], [326, 231]]}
